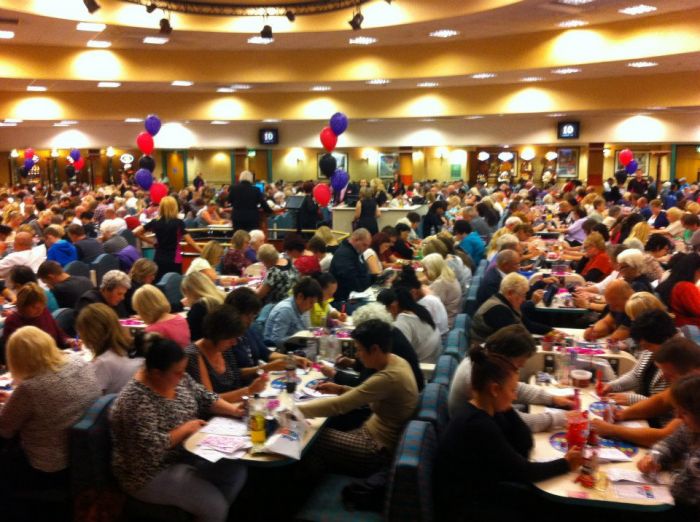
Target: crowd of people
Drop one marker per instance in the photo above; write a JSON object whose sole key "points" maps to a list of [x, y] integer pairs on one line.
{"points": [[634, 248]]}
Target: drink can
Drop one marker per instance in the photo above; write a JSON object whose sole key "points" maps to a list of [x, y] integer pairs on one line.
{"points": [[610, 411]]}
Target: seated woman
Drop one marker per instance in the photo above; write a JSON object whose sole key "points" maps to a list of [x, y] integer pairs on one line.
{"points": [[631, 264], [443, 284], [402, 247], [53, 391], [391, 394], [326, 234], [143, 272], [639, 236], [374, 255], [487, 445], [114, 359], [153, 415], [201, 296], [208, 260], [674, 229], [323, 311], [414, 321], [679, 291], [658, 217], [235, 260], [657, 250], [423, 296], [280, 276], [20, 276], [595, 265], [317, 247], [211, 360], [444, 244], [112, 292], [154, 310]]}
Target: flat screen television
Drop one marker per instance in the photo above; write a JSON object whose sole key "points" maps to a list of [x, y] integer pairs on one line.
{"points": [[269, 136], [260, 186]]}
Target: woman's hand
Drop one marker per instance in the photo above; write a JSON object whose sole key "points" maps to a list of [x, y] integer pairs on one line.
{"points": [[4, 396], [620, 398], [190, 427], [562, 402], [603, 428], [327, 371], [537, 296], [302, 362], [258, 384], [648, 465], [574, 458], [330, 388], [589, 334]]}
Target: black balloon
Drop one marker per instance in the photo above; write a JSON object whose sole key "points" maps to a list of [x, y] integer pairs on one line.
{"points": [[70, 171], [327, 164], [148, 163]]}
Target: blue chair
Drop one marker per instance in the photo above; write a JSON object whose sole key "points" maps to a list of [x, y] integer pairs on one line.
{"points": [[691, 332], [65, 319], [461, 321], [410, 491], [103, 264], [444, 370], [456, 344], [432, 406], [169, 284], [77, 268], [470, 304], [482, 267]]}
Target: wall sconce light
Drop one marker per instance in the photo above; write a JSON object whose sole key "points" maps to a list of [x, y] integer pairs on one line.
{"points": [[14, 153], [458, 157], [110, 152], [527, 154], [370, 155], [607, 152], [54, 153], [551, 156], [483, 156]]}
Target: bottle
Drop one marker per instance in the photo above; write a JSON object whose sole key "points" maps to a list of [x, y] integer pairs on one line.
{"points": [[589, 467], [290, 369], [256, 421], [577, 400], [599, 385]]}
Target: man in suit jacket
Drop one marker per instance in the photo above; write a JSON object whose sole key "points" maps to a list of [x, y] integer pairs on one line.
{"points": [[507, 261], [348, 265], [246, 200]]}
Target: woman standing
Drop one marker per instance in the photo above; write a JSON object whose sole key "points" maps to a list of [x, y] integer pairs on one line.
{"points": [[169, 231], [367, 211], [307, 215]]}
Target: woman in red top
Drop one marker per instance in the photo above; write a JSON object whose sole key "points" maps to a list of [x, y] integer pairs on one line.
{"points": [[596, 263], [679, 291]]}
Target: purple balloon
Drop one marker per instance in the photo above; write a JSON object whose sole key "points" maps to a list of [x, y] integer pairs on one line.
{"points": [[152, 124], [339, 180], [632, 167], [75, 154], [339, 123], [28, 164], [144, 179]]}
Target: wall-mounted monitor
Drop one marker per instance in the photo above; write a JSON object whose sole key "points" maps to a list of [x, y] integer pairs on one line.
{"points": [[568, 130], [269, 136]]}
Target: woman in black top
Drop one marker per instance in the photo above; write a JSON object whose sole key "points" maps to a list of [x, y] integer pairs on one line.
{"points": [[367, 211], [245, 201], [307, 215], [434, 220], [169, 231], [486, 446]]}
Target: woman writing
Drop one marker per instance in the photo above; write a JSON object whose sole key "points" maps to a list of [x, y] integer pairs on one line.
{"points": [[443, 284], [235, 260], [154, 309], [208, 260], [279, 278], [596, 264], [378, 253]]}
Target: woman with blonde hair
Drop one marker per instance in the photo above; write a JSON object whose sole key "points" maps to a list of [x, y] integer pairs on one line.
{"points": [[208, 260], [326, 234], [641, 302], [169, 230], [202, 296], [443, 284], [641, 232], [441, 244], [111, 345], [143, 272], [235, 260], [154, 309]]}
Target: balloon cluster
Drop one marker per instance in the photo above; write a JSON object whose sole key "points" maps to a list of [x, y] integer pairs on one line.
{"points": [[30, 159], [627, 159], [144, 176], [327, 164]]}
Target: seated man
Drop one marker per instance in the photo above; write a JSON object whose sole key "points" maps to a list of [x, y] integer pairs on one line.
{"points": [[66, 289], [348, 265], [676, 358], [291, 315], [88, 248], [614, 324], [112, 224], [24, 254], [507, 261], [58, 249]]}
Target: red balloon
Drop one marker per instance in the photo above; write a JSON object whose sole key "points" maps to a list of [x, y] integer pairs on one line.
{"points": [[28, 153], [626, 156], [322, 194], [145, 142], [328, 139], [158, 192], [79, 164]]}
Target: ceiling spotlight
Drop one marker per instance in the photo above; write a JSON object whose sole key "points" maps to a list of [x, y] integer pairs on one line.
{"points": [[165, 27], [266, 32], [356, 21], [150, 8], [362, 40], [290, 15], [91, 5]]}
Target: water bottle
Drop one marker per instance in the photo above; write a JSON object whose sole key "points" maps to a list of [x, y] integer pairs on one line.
{"points": [[256, 421]]}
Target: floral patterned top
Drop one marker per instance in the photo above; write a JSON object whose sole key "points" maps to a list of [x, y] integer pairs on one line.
{"points": [[280, 281]]}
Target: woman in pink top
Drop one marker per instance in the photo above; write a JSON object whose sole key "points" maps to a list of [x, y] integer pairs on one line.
{"points": [[154, 309]]}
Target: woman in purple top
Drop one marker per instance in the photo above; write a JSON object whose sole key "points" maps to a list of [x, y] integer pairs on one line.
{"points": [[575, 234]]}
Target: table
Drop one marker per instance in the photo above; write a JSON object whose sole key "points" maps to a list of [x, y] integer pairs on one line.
{"points": [[343, 216], [271, 459], [561, 488]]}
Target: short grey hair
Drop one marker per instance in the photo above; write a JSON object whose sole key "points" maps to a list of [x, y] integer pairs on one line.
{"points": [[513, 220], [506, 256], [507, 241], [633, 258], [113, 279], [256, 235], [361, 233], [246, 175], [514, 282], [371, 311]]}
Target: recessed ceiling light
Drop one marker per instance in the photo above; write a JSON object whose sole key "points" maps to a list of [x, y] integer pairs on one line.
{"points": [[69, 122], [6, 124], [574, 2], [428, 85], [637, 9], [642, 64], [133, 120], [362, 40], [570, 24], [321, 88], [483, 76], [650, 108], [240, 86], [36, 88], [378, 81], [91, 27], [7, 35], [181, 83], [109, 85], [556, 115], [531, 79], [61, 125], [444, 33], [475, 117], [13, 120], [566, 70], [271, 120], [373, 120], [427, 120], [225, 89], [99, 44], [156, 40], [259, 40], [220, 122]]}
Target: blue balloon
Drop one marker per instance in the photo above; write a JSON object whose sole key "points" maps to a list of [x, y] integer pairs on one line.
{"points": [[144, 179], [152, 124], [75, 154], [28, 164], [339, 180], [339, 123], [632, 167]]}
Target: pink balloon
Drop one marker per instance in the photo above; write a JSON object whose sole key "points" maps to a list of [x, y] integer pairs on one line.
{"points": [[328, 139], [322, 194], [28, 153], [626, 156]]}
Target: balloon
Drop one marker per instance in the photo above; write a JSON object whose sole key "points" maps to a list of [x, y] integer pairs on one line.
{"points": [[339, 123], [631, 167], [79, 164], [322, 194], [145, 142], [339, 180], [328, 139], [28, 163], [152, 124], [158, 192], [70, 171], [75, 154], [327, 164], [626, 156], [148, 163], [28, 152], [144, 178]]}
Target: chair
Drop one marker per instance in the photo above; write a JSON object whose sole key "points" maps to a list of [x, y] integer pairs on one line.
{"points": [[410, 490], [462, 321], [445, 370], [129, 236], [103, 264], [456, 344], [77, 268], [169, 284], [691, 332], [470, 304], [481, 269], [432, 406], [65, 319]]}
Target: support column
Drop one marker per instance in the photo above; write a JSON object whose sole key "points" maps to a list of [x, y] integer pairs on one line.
{"points": [[232, 161], [406, 165], [674, 159], [595, 164]]}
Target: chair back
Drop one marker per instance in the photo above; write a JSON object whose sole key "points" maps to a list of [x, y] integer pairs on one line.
{"points": [[65, 319], [462, 321], [129, 236], [410, 491], [77, 268], [169, 284], [444, 370], [456, 344], [691, 332], [432, 406], [470, 304], [103, 264]]}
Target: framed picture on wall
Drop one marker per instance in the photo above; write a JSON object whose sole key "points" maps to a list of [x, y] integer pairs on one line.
{"points": [[388, 165], [341, 159], [567, 163], [642, 158]]}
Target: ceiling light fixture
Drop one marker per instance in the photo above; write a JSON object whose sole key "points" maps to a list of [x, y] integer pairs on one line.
{"points": [[531, 79], [36, 88], [574, 2], [90, 27], [321, 88], [13, 120], [6, 124], [60, 125], [570, 24], [7, 35], [156, 40], [133, 120], [109, 85], [362, 40], [240, 86], [356, 21], [427, 85], [271, 120], [290, 15], [182, 83], [475, 117], [227, 90], [444, 33], [165, 27], [638, 9], [642, 64], [259, 40], [566, 70], [378, 81], [91, 5], [483, 76], [220, 122], [99, 44]]}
